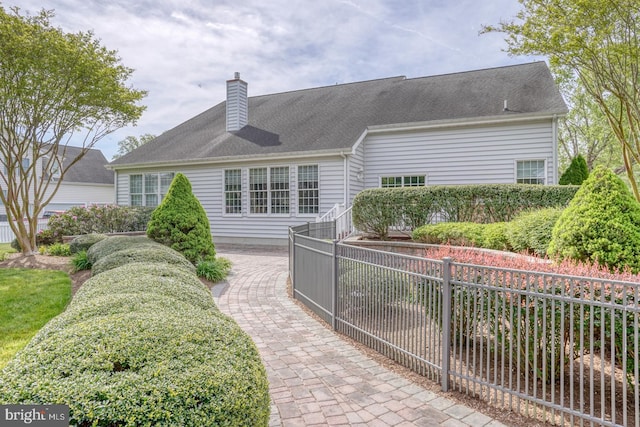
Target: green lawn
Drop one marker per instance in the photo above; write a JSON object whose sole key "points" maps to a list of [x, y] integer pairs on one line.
{"points": [[5, 248], [28, 300]]}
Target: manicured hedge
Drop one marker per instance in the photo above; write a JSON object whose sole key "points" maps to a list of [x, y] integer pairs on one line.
{"points": [[85, 241], [153, 253], [453, 233], [375, 210], [531, 231], [147, 278], [143, 345], [528, 232], [114, 244]]}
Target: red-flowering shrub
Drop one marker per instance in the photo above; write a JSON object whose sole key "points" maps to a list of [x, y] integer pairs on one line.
{"points": [[538, 318]]}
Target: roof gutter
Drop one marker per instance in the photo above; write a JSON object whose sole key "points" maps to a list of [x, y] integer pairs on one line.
{"points": [[231, 159], [464, 122]]}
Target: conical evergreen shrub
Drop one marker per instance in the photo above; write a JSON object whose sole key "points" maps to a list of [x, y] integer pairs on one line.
{"points": [[576, 173], [600, 224], [181, 223]]}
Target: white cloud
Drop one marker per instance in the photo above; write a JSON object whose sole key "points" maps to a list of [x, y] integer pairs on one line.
{"points": [[183, 51]]}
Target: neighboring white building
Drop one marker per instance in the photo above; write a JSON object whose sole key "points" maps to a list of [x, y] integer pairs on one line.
{"points": [[261, 164], [85, 183]]}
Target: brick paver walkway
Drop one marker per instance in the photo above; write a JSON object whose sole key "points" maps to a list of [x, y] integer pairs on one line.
{"points": [[316, 378]]}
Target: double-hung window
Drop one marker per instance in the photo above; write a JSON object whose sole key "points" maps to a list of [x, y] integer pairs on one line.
{"points": [[530, 172], [279, 185], [148, 189], [233, 191], [258, 191], [269, 190], [308, 197]]}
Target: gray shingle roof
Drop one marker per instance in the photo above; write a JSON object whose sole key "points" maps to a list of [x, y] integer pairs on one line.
{"points": [[333, 117], [90, 169]]}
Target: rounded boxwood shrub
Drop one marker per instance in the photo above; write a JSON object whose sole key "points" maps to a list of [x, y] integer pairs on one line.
{"points": [[181, 223], [601, 224], [531, 231], [494, 236], [454, 233], [114, 304], [144, 368], [151, 254], [85, 241], [148, 278], [115, 243]]}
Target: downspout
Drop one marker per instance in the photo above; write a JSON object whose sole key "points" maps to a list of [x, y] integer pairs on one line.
{"points": [[346, 179], [555, 148], [115, 187]]}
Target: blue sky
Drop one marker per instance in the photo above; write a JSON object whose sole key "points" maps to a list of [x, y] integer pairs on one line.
{"points": [[183, 51]]}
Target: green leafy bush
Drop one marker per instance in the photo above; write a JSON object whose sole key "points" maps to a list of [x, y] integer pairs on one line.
{"points": [[531, 231], [601, 224], [85, 241], [151, 254], [576, 173], [375, 210], [58, 249], [454, 233], [43, 238], [153, 368], [181, 223], [494, 236], [46, 237], [98, 219], [115, 243], [80, 261], [148, 278], [143, 345], [213, 271]]}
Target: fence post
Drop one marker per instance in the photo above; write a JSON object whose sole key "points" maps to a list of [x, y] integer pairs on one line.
{"points": [[292, 258], [446, 321], [334, 284]]}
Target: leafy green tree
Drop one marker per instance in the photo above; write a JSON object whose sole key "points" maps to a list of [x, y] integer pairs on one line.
{"points": [[54, 87], [181, 223], [596, 43], [130, 143], [601, 224], [586, 130], [576, 173]]}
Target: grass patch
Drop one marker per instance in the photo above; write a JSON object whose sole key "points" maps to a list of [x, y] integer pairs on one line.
{"points": [[28, 300], [5, 248]]}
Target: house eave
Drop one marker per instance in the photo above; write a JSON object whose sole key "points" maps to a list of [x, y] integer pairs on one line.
{"points": [[450, 123], [233, 159]]}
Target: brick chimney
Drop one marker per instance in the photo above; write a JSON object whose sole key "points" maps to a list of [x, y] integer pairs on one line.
{"points": [[237, 104]]}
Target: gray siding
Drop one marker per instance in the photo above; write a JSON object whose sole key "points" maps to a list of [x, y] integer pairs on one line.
{"points": [[356, 164], [478, 155], [208, 186]]}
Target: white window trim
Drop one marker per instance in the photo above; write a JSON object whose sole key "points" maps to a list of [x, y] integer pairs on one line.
{"points": [[532, 159], [159, 191], [403, 176], [243, 189], [297, 207], [269, 213]]}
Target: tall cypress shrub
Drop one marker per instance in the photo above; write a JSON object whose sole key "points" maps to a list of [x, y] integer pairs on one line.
{"points": [[601, 224], [576, 173], [181, 223]]}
